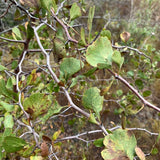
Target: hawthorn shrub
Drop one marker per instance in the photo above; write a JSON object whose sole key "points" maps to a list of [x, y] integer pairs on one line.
{"points": [[65, 83]]}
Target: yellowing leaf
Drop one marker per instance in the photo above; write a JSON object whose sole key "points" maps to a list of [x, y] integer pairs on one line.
{"points": [[56, 135], [139, 153], [16, 32], [125, 36], [37, 104], [119, 144], [36, 158]]}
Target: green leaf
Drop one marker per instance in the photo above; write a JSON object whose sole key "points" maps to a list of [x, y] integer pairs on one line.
{"points": [[30, 32], [75, 80], [99, 142], [90, 72], [157, 75], [27, 151], [8, 121], [1, 120], [17, 32], [119, 92], [70, 66], [6, 106], [92, 100], [130, 73], [139, 83], [75, 11], [2, 68], [154, 151], [106, 33], [7, 92], [146, 93], [14, 64], [92, 119], [13, 144], [100, 52], [117, 58], [90, 20], [7, 132], [9, 83], [37, 104], [48, 5], [83, 40], [59, 48], [119, 144], [1, 153]]}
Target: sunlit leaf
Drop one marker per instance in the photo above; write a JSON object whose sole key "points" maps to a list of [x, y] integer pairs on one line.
{"points": [[100, 52], [17, 32], [8, 121], [75, 11], [56, 135], [9, 83], [36, 158], [6, 106], [2, 68]]}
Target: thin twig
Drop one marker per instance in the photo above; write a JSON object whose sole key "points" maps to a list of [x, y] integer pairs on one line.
{"points": [[133, 49], [12, 40], [145, 102], [64, 27]]}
